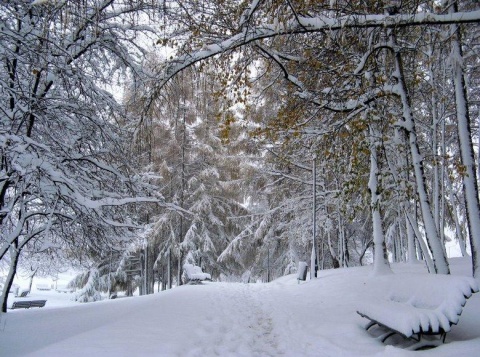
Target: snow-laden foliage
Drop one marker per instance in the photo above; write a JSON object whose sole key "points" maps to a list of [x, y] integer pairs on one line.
{"points": [[90, 290], [241, 99], [65, 173], [199, 173], [326, 73]]}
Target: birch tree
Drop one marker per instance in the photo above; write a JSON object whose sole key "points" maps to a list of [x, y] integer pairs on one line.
{"points": [[470, 183]]}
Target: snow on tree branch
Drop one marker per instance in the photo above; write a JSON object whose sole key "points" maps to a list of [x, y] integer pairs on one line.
{"points": [[300, 25]]}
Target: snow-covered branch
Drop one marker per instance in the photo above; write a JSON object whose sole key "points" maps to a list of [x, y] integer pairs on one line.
{"points": [[309, 25]]}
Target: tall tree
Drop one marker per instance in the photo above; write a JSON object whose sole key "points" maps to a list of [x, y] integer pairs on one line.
{"points": [[196, 150], [470, 183]]}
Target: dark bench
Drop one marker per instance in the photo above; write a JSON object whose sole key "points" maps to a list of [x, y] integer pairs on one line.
{"points": [[28, 304], [38, 303], [420, 309], [23, 293]]}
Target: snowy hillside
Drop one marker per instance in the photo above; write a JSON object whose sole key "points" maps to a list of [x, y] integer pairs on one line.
{"points": [[283, 318]]}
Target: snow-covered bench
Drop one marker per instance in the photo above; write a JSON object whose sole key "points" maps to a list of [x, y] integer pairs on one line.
{"points": [[28, 304], [64, 290], [419, 307], [194, 274], [45, 287]]}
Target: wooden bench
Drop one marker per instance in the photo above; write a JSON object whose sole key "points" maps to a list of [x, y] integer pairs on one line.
{"points": [[194, 274], [420, 309], [28, 304], [23, 293]]}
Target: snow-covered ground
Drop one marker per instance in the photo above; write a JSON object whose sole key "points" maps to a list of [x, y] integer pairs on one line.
{"points": [[282, 318]]}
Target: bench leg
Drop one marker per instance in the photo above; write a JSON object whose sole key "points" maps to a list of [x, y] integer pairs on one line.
{"points": [[385, 336], [425, 342], [370, 325], [418, 338]]}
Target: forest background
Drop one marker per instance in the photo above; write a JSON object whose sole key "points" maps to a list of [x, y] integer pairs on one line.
{"points": [[137, 136]]}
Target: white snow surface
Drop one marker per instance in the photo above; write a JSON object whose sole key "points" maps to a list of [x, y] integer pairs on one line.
{"points": [[282, 318]]}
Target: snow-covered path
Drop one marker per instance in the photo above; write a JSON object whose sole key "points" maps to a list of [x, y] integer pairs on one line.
{"points": [[313, 319], [238, 324], [215, 319]]}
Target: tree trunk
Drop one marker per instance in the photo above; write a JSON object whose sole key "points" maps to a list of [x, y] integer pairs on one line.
{"points": [[179, 270], [401, 235], [423, 247], [169, 268], [458, 228], [470, 186], [34, 272], [14, 254], [412, 253], [333, 254], [437, 249], [380, 258], [364, 250]]}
